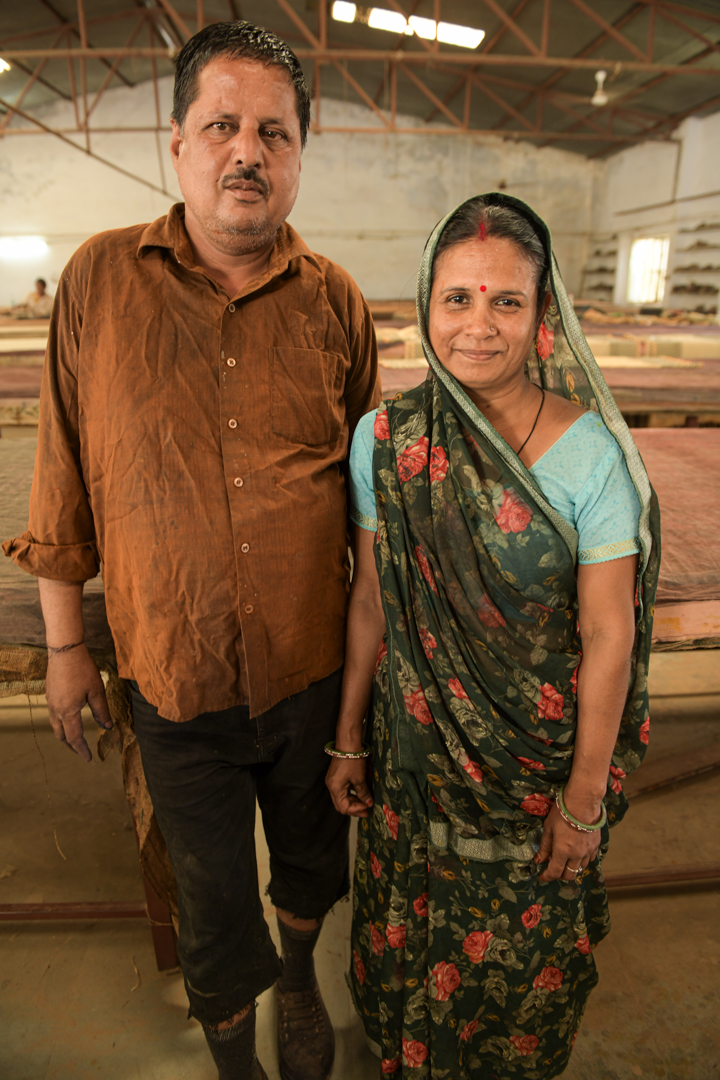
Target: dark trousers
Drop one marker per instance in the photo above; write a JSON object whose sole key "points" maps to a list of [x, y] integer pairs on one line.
{"points": [[204, 776]]}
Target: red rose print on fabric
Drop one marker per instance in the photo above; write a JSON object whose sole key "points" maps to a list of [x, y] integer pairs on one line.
{"points": [[389, 1066], [514, 515], [488, 614], [414, 1053], [416, 704], [469, 1030], [378, 941], [457, 688], [359, 967], [392, 821], [574, 676], [428, 642], [425, 568], [545, 342], [617, 775], [382, 653], [420, 906], [530, 764], [413, 460], [447, 979], [474, 771], [537, 804], [583, 945], [532, 916], [475, 945], [382, 425], [437, 802], [550, 978], [645, 731], [551, 703], [375, 867], [396, 936], [525, 1043], [438, 464]]}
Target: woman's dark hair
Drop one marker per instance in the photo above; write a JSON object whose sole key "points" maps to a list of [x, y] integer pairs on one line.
{"points": [[486, 216], [236, 40]]}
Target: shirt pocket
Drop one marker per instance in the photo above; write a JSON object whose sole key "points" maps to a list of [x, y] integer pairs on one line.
{"points": [[306, 401]]}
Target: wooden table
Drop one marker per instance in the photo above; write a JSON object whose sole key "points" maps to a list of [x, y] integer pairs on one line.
{"points": [[22, 663]]}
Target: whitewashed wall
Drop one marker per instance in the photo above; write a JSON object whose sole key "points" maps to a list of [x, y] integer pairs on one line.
{"points": [[366, 201], [657, 189]]}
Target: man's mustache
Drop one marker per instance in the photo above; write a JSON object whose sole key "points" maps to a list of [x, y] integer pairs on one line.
{"points": [[249, 176]]}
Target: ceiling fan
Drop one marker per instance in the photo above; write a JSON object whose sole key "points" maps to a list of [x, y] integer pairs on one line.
{"points": [[601, 96]]}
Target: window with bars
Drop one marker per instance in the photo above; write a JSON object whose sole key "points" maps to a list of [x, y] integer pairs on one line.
{"points": [[648, 267]]}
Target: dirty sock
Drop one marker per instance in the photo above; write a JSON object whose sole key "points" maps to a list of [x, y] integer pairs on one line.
{"points": [[233, 1049], [297, 954]]}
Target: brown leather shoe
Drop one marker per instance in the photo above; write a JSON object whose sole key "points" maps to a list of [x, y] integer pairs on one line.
{"points": [[306, 1040]]}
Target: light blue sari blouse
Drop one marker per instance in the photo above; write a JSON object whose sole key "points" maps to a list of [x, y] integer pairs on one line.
{"points": [[583, 476]]}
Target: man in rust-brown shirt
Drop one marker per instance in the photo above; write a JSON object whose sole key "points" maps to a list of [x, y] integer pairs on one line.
{"points": [[203, 378]]}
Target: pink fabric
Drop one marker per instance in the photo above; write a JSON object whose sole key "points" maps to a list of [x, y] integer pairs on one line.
{"points": [[683, 467]]}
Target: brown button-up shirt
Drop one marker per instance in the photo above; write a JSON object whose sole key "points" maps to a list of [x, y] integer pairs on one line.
{"points": [[192, 444]]}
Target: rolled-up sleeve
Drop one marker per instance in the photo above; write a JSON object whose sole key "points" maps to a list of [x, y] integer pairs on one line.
{"points": [[60, 540]]}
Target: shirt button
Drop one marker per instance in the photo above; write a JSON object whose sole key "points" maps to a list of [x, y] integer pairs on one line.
{"points": [[248, 609], [245, 548], [231, 362], [232, 423], [231, 307], [238, 481]]}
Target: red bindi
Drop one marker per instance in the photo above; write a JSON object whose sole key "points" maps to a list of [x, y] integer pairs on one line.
{"points": [[483, 288]]}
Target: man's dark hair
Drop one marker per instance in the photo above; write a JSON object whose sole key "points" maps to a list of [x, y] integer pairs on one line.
{"points": [[236, 40], [41, 281]]}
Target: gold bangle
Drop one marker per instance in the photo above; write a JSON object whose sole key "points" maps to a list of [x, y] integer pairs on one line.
{"points": [[332, 752], [573, 821]]}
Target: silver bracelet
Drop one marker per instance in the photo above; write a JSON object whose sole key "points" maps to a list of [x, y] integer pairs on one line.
{"points": [[64, 648]]}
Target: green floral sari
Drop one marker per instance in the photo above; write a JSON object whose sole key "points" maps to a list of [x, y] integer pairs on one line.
{"points": [[465, 966]]}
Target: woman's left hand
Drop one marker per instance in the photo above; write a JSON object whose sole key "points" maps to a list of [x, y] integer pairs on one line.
{"points": [[566, 850]]}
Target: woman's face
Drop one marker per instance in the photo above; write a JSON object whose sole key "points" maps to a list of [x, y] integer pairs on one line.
{"points": [[483, 312]]}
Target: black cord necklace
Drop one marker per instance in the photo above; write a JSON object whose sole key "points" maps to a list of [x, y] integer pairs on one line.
{"points": [[542, 402]]}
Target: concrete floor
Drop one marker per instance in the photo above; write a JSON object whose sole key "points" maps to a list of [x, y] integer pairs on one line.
{"points": [[84, 1000]]}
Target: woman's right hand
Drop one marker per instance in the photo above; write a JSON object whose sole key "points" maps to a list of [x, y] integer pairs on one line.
{"points": [[347, 784]]}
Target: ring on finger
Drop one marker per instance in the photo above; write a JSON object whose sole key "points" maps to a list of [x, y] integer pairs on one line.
{"points": [[577, 873]]}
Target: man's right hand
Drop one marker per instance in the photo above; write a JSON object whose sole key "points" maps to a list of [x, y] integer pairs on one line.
{"points": [[73, 681]]}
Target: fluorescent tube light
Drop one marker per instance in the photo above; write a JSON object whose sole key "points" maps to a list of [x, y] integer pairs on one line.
{"points": [[466, 36], [382, 19], [344, 12], [4, 66], [424, 28]]}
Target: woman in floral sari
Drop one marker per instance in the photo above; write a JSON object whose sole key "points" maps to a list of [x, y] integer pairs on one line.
{"points": [[506, 589]]}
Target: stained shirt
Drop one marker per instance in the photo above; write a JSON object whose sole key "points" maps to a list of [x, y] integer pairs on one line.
{"points": [[193, 445], [583, 476]]}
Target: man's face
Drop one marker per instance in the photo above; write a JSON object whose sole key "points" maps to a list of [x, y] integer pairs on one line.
{"points": [[238, 155], [40, 288]]}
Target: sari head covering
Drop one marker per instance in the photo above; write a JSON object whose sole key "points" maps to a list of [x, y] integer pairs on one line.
{"points": [[478, 693]]}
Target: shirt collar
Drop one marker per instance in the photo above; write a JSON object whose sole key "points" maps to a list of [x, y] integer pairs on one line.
{"points": [[169, 232]]}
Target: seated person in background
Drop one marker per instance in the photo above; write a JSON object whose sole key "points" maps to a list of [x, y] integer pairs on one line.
{"points": [[37, 304]]}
